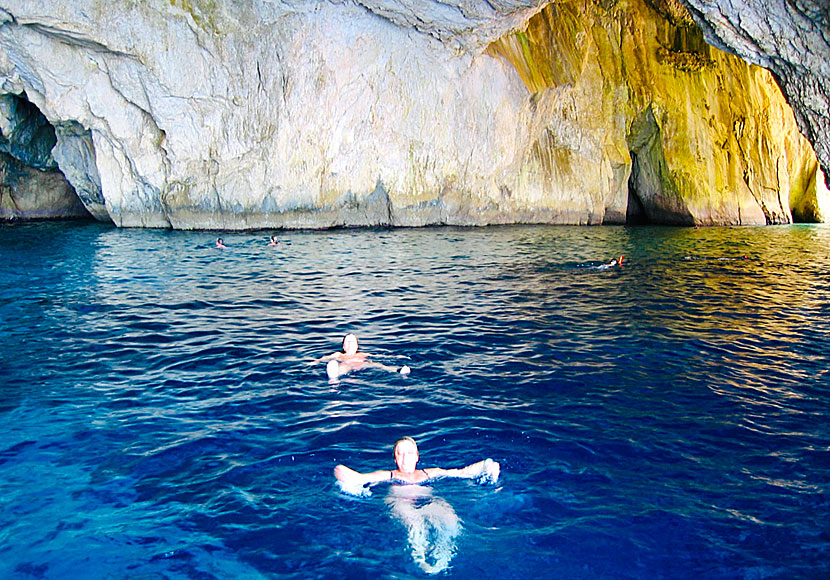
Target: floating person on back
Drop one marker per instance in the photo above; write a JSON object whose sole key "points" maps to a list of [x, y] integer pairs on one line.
{"points": [[350, 358], [405, 452], [721, 259], [220, 243], [431, 523]]}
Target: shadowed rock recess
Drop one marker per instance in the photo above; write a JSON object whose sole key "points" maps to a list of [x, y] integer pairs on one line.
{"points": [[220, 114]]}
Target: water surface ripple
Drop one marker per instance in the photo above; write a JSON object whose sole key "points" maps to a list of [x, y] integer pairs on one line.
{"points": [[159, 417]]}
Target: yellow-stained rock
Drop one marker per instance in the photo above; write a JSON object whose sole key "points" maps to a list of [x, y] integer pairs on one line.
{"points": [[629, 100]]}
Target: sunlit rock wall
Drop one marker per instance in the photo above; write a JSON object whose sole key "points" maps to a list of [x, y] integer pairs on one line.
{"points": [[634, 95], [232, 115], [791, 38]]}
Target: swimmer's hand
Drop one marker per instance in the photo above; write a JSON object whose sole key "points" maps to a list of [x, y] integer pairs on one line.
{"points": [[349, 481], [354, 489], [356, 483], [486, 471], [317, 361], [490, 471]]}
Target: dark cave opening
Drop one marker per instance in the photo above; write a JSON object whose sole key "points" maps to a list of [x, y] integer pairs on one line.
{"points": [[635, 214], [32, 185]]}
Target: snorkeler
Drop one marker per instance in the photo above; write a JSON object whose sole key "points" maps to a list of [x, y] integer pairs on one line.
{"points": [[406, 456], [350, 358], [220, 243], [612, 263]]}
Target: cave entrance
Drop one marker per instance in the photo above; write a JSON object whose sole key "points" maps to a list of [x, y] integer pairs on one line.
{"points": [[32, 185], [653, 196], [635, 214]]}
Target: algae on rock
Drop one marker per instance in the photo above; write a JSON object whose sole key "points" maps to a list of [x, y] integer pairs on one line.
{"points": [[708, 138]]}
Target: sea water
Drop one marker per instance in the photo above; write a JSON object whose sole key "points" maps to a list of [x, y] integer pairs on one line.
{"points": [[161, 415]]}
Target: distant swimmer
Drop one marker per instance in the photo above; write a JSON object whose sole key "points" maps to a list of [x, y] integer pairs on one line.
{"points": [[611, 264], [350, 358], [744, 257], [431, 523], [405, 452], [220, 243], [273, 242]]}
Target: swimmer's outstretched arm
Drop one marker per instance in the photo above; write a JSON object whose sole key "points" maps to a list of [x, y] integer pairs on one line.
{"points": [[404, 370], [328, 357], [487, 468], [350, 477]]}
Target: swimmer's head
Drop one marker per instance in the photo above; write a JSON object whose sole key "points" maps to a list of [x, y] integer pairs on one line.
{"points": [[350, 344], [406, 454]]}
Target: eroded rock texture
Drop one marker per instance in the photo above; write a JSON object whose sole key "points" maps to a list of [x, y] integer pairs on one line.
{"points": [[31, 186], [791, 38], [248, 114], [634, 93]]}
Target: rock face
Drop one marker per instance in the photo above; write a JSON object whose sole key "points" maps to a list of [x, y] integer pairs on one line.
{"points": [[31, 186], [791, 38], [634, 96], [233, 115]]}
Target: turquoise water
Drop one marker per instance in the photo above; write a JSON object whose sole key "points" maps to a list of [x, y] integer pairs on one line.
{"points": [[159, 417]]}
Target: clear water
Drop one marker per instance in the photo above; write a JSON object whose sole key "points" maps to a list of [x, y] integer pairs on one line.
{"points": [[667, 419]]}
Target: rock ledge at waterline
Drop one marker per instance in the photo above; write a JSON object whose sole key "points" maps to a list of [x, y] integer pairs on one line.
{"points": [[241, 115]]}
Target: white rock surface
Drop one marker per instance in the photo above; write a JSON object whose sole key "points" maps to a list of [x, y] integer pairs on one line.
{"points": [[262, 113], [254, 113]]}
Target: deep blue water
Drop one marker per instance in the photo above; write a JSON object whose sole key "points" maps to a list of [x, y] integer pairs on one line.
{"points": [[159, 417]]}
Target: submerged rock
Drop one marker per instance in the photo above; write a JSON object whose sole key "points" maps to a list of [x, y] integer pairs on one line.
{"points": [[241, 115]]}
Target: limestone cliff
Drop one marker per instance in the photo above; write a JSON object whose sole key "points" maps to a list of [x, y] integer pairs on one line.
{"points": [[699, 136], [791, 38], [220, 114]]}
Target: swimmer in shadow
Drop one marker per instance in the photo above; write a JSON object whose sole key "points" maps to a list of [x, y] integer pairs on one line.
{"points": [[351, 358], [431, 523]]}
